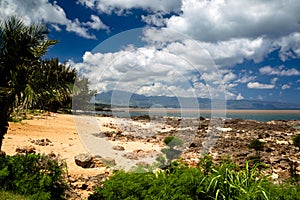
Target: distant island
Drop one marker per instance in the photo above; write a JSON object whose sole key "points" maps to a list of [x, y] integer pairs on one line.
{"points": [[118, 98]]}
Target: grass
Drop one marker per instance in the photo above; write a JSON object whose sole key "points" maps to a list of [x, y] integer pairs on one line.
{"points": [[4, 195]]}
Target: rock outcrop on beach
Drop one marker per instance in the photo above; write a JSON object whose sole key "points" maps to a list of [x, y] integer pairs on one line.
{"points": [[230, 141], [278, 152]]}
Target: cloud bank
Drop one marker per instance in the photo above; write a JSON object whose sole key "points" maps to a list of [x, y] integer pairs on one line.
{"points": [[42, 11]]}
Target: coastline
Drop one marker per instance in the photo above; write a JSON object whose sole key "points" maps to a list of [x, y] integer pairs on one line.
{"points": [[140, 139], [172, 110], [258, 115]]}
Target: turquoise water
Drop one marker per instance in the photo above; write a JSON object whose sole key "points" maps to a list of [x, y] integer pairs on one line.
{"points": [[259, 115], [265, 116]]}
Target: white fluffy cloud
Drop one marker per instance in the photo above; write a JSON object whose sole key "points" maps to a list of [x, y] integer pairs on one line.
{"points": [[239, 97], [225, 19], [178, 69], [43, 11], [246, 79], [274, 80], [96, 23], [280, 71], [233, 31], [226, 31], [224, 53], [289, 46], [285, 86], [109, 6], [257, 85], [233, 51], [156, 19]]}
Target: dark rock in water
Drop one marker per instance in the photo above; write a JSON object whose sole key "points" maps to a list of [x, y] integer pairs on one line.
{"points": [[84, 160]]}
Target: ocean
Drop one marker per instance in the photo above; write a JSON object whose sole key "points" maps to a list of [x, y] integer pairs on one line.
{"points": [[258, 115]]}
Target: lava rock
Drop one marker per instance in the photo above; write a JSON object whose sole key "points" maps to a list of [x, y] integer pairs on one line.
{"points": [[84, 160]]}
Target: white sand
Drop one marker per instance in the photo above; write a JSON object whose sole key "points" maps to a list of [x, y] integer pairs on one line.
{"points": [[89, 125]]}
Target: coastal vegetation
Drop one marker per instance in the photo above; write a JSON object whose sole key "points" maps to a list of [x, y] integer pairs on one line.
{"points": [[171, 152], [205, 181], [258, 146], [21, 51], [28, 81], [296, 141], [34, 176]]}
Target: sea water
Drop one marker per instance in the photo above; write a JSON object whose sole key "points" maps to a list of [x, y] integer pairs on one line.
{"points": [[258, 115]]}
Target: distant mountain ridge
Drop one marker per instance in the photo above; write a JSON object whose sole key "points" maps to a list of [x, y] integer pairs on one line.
{"points": [[126, 99]]}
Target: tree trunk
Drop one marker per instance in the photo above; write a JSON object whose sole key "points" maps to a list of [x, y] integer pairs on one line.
{"points": [[3, 128], [5, 102]]}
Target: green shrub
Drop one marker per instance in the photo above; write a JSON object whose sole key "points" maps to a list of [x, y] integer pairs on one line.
{"points": [[224, 181], [172, 141], [33, 175], [207, 181], [179, 184], [15, 119], [170, 153], [296, 141], [256, 144]]}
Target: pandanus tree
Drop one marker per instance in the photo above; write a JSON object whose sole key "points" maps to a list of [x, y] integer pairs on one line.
{"points": [[62, 78], [21, 49], [50, 87]]}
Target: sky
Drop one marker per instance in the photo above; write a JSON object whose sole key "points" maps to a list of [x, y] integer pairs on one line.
{"points": [[218, 49]]}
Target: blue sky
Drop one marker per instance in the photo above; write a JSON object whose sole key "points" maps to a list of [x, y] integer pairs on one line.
{"points": [[200, 48]]}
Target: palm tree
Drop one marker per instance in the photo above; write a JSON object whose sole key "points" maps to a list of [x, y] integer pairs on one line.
{"points": [[21, 49], [82, 95], [51, 86]]}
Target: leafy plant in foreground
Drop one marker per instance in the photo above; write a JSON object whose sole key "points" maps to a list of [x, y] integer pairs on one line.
{"points": [[207, 181], [170, 153], [39, 177]]}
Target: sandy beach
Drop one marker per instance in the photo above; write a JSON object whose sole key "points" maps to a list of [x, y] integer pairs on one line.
{"points": [[61, 132], [69, 135], [58, 134]]}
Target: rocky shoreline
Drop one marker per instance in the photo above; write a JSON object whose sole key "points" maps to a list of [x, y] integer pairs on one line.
{"points": [[138, 139], [230, 141]]}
